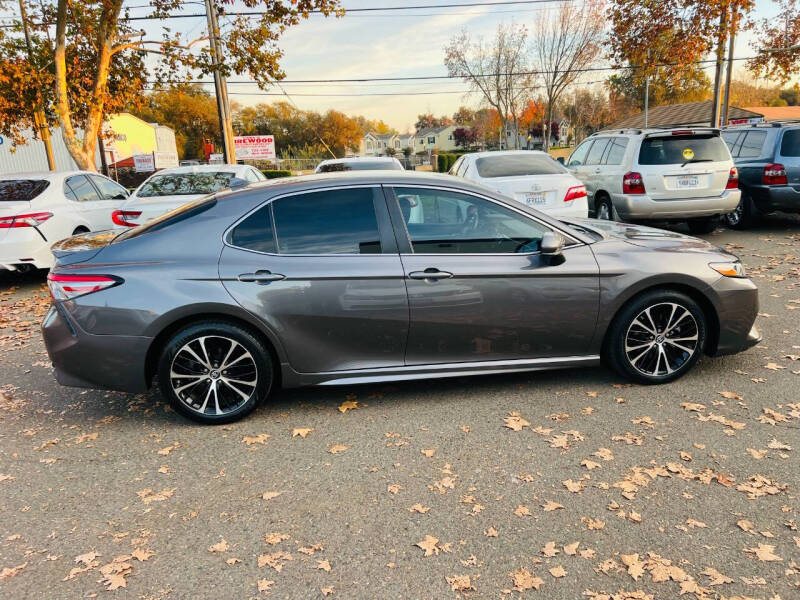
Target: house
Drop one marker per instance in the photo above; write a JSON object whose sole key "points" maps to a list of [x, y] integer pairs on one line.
{"points": [[404, 140], [375, 144], [439, 138], [695, 114], [127, 135], [777, 113]]}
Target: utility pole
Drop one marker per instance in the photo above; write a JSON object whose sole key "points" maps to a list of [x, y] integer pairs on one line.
{"points": [[727, 96], [220, 85], [39, 120], [718, 71], [646, 92]]}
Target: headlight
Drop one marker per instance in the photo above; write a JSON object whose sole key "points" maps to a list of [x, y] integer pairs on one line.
{"points": [[729, 269]]}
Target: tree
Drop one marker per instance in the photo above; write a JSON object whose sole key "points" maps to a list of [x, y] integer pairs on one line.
{"points": [[464, 116], [389, 151], [189, 110], [777, 42], [498, 70], [588, 111], [667, 86], [95, 63], [428, 121], [464, 137], [340, 132], [566, 41], [487, 126]]}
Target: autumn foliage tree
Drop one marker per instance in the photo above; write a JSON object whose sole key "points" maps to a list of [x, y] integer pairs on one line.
{"points": [[777, 44], [89, 60]]}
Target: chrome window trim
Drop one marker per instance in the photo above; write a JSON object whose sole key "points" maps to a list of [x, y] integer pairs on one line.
{"points": [[227, 233]]}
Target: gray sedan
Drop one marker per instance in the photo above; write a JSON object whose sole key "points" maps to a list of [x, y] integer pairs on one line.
{"points": [[380, 276]]}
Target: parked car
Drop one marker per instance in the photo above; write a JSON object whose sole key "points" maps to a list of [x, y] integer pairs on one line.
{"points": [[38, 209], [168, 189], [658, 175], [530, 177], [359, 163], [327, 280], [768, 158]]}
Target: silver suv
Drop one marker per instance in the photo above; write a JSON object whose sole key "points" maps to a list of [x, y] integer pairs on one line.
{"points": [[659, 175]]}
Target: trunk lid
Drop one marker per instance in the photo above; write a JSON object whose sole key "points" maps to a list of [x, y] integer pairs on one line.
{"points": [[541, 192], [156, 206], [82, 247], [9, 209]]}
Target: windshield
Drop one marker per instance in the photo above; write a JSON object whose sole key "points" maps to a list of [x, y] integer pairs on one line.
{"points": [[21, 189], [185, 184], [177, 215], [679, 149], [361, 165], [517, 165]]}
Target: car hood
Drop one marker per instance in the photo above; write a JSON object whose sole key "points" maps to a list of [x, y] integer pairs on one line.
{"points": [[648, 237]]}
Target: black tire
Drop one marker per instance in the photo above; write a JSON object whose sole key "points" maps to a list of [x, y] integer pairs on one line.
{"points": [[636, 362], [220, 341], [604, 208], [743, 216], [704, 225]]}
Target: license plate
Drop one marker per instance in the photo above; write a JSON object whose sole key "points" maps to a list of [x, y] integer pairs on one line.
{"points": [[688, 181], [535, 199]]}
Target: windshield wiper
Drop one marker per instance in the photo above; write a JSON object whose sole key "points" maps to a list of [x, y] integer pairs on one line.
{"points": [[699, 160]]}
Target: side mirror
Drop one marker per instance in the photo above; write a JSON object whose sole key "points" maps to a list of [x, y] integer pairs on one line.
{"points": [[552, 244], [560, 159]]}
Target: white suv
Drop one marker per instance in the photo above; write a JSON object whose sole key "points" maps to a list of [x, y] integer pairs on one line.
{"points": [[659, 175]]}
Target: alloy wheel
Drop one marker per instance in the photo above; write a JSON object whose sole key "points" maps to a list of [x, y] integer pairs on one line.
{"points": [[603, 211], [661, 339], [213, 375], [734, 217]]}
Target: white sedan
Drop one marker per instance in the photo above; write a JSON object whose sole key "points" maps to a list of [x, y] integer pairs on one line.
{"points": [[168, 189], [39, 209], [530, 177]]}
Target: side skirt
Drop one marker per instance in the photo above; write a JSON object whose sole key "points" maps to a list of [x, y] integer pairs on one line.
{"points": [[291, 378]]}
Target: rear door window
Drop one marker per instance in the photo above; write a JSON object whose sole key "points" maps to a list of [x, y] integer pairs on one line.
{"points": [[790, 145], [751, 144], [340, 221], [21, 189], [108, 189], [255, 232], [732, 139], [596, 153], [615, 151], [680, 149], [82, 189]]}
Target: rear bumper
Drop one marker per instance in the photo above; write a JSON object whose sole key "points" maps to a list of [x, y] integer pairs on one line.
{"points": [[785, 198], [113, 362], [25, 247], [737, 307], [640, 207]]}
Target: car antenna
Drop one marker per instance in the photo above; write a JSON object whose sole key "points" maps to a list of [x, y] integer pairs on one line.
{"points": [[298, 108]]}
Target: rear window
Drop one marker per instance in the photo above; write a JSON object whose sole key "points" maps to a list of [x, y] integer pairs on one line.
{"points": [[517, 165], [751, 144], [790, 146], [171, 218], [23, 190], [361, 165], [679, 149], [185, 184]]}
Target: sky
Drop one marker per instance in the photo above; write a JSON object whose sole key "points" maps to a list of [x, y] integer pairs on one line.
{"points": [[385, 44]]}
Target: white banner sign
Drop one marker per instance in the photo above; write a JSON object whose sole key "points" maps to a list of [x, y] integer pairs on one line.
{"points": [[165, 160], [254, 147], [144, 163], [215, 159]]}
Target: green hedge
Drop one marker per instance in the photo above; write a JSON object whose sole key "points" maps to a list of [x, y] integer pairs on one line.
{"points": [[273, 173], [445, 161]]}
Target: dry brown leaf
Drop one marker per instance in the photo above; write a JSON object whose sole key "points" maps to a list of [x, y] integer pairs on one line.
{"points": [[550, 549], [715, 576], [149, 496], [590, 464], [573, 486], [261, 438], [326, 591], [571, 549], [773, 366], [764, 553], [418, 508], [731, 395], [9, 572], [558, 572], [429, 545], [301, 431], [491, 532], [522, 511], [324, 565], [348, 405], [635, 568], [550, 505], [525, 580], [515, 421], [221, 546], [394, 488], [460, 583], [141, 554], [745, 525], [270, 495], [337, 449], [232, 560], [694, 523], [275, 538], [604, 453], [757, 454], [428, 453], [276, 560], [593, 524], [264, 586]]}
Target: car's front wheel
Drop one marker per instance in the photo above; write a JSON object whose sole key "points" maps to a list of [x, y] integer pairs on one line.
{"points": [[657, 337], [214, 372]]}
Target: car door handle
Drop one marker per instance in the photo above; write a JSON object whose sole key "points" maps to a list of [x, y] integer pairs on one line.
{"points": [[430, 274], [261, 277]]}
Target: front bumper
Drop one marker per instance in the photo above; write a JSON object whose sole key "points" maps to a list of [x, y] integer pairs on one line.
{"points": [[769, 198], [641, 207], [113, 362], [736, 302]]}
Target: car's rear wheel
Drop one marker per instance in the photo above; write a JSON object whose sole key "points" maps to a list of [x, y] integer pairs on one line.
{"points": [[742, 216], [657, 337], [604, 209], [214, 372], [704, 225]]}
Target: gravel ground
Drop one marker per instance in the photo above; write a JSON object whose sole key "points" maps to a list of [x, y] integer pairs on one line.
{"points": [[569, 484]]}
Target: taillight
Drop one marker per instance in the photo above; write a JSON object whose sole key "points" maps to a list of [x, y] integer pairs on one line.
{"points": [[28, 220], [67, 287], [575, 192], [632, 183], [775, 174], [733, 179], [125, 217]]}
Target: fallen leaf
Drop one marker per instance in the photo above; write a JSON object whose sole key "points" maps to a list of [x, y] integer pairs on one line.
{"points": [[324, 565], [764, 553], [337, 449], [429, 545], [149, 496], [301, 431], [550, 549], [573, 486], [9, 572], [715, 576], [515, 421], [460, 583], [221, 546], [264, 585], [731, 395], [270, 495], [757, 454], [558, 572], [141, 554], [550, 505], [261, 438], [348, 405], [394, 488], [522, 511], [276, 560], [275, 538], [773, 366], [525, 580], [571, 549], [491, 532], [429, 453], [635, 568], [326, 591], [593, 524]]}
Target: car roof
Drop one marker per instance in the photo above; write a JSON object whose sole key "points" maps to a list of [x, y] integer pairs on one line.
{"points": [[201, 169], [504, 153], [375, 177], [48, 175], [331, 161]]}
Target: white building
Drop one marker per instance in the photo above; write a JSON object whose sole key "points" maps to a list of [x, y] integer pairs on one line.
{"points": [[438, 138]]}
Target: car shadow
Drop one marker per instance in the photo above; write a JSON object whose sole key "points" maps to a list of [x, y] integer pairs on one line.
{"points": [[32, 277]]}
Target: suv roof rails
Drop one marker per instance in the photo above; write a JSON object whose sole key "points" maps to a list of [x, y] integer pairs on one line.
{"points": [[762, 124], [622, 131]]}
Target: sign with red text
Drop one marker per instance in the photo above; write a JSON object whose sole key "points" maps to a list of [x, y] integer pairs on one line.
{"points": [[254, 147]]}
